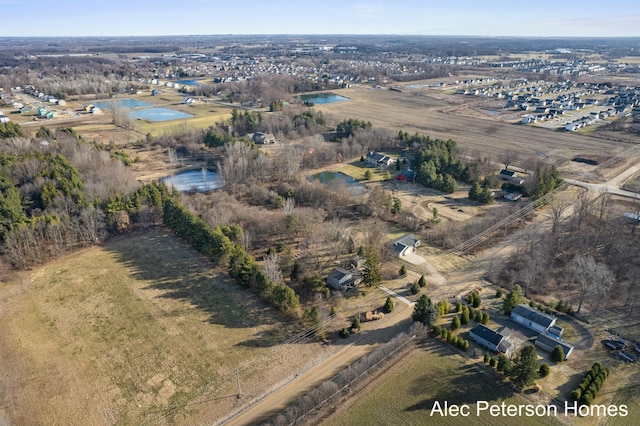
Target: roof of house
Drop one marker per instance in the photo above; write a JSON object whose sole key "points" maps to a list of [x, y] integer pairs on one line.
{"points": [[376, 156], [339, 273], [408, 174], [409, 240], [550, 342], [507, 173], [487, 334], [533, 315]]}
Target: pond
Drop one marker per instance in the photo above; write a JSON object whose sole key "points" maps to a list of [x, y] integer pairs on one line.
{"points": [[198, 180], [122, 103], [322, 98], [337, 181], [158, 114], [188, 82]]}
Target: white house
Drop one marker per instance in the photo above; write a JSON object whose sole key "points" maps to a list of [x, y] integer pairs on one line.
{"points": [[405, 245], [484, 336], [4, 119], [341, 278], [377, 159], [535, 320]]}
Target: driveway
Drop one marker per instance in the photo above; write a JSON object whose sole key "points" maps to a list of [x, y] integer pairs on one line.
{"points": [[414, 259]]}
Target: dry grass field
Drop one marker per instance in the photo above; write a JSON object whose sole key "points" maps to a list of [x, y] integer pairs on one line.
{"points": [[139, 331], [461, 119], [405, 393]]}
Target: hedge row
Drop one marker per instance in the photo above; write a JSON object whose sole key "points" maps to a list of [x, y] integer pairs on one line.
{"points": [[590, 384], [217, 245]]}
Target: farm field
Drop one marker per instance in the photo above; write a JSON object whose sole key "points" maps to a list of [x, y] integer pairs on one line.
{"points": [[139, 331], [446, 117]]}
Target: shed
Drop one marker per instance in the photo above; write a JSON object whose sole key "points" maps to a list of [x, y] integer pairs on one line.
{"points": [[547, 343]]}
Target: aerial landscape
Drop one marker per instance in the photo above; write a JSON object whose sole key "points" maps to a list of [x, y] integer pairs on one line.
{"points": [[337, 214]]}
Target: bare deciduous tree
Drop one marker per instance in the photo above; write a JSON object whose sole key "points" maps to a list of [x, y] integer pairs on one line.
{"points": [[271, 267], [594, 280]]}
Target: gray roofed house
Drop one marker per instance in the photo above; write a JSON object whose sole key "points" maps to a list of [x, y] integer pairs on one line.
{"points": [[534, 319], [406, 244], [377, 159], [547, 343], [487, 337], [341, 278]]}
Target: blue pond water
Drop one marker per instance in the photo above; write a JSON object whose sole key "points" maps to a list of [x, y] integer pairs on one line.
{"points": [[122, 103], [188, 82], [323, 98], [199, 180], [158, 114], [336, 181]]}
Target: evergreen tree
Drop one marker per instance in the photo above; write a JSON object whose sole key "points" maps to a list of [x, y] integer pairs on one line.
{"points": [[372, 269], [513, 299], [557, 354], [425, 312], [422, 282], [525, 366], [455, 322], [388, 305]]}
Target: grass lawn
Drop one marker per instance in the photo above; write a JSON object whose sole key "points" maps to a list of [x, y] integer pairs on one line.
{"points": [[142, 330], [408, 391]]}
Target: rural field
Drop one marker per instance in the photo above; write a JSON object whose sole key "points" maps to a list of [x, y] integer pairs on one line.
{"points": [[407, 391], [139, 331], [447, 117]]}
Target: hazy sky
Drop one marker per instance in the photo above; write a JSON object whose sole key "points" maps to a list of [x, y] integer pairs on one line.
{"points": [[410, 17]]}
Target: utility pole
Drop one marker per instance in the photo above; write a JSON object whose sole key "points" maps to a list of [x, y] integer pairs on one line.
{"points": [[238, 380]]}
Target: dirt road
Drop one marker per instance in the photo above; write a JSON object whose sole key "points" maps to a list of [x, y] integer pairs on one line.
{"points": [[358, 346]]}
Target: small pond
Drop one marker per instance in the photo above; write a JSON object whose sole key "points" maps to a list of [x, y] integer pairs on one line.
{"points": [[188, 82], [158, 114], [337, 181], [198, 180], [322, 98], [122, 103]]}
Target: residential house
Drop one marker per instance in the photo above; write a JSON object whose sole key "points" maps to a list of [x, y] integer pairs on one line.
{"points": [[535, 320], [405, 245], [4, 118], [262, 138], [377, 159], [341, 278], [484, 336], [51, 114], [548, 343]]}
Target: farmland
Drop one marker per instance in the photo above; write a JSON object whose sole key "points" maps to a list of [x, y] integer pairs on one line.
{"points": [[139, 331]]}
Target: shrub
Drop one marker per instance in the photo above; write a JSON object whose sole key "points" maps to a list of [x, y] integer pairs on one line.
{"points": [[487, 357], [498, 293], [355, 323], [332, 312], [388, 305], [415, 288], [344, 333], [485, 318], [403, 271], [544, 370], [455, 323], [464, 318], [493, 362], [479, 316], [458, 307], [576, 394], [557, 355], [422, 282]]}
